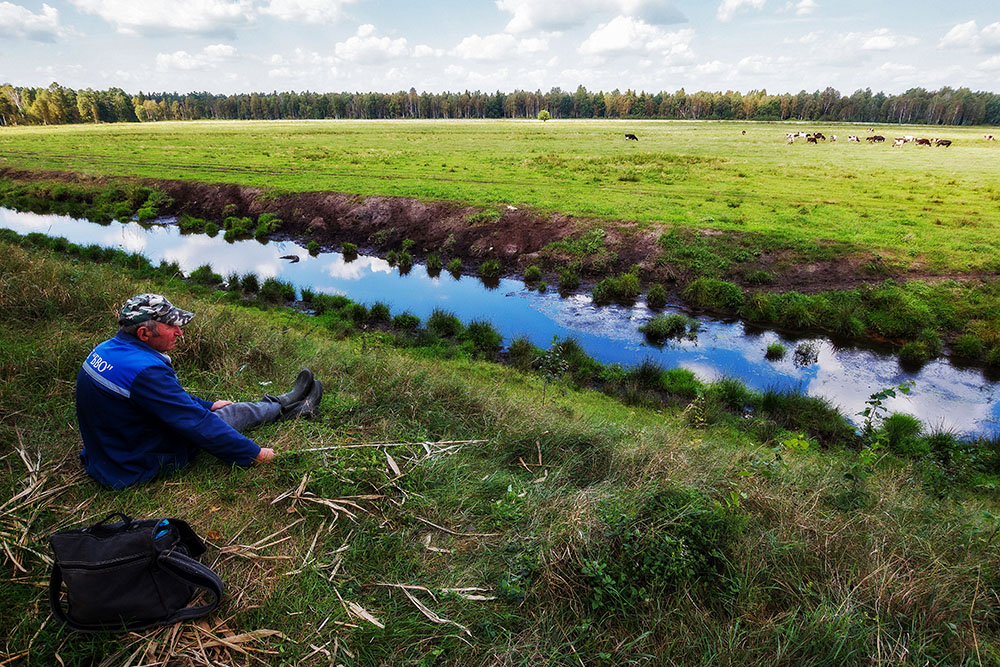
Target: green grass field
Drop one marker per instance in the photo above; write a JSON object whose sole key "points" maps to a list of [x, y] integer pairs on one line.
{"points": [[576, 529], [929, 209]]}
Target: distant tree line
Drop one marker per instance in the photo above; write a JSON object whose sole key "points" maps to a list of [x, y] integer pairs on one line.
{"points": [[57, 105]]}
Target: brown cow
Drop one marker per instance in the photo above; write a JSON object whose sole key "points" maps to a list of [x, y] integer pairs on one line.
{"points": [[811, 140], [943, 142], [922, 142]]}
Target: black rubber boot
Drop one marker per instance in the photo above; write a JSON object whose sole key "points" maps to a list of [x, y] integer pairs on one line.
{"points": [[303, 384], [308, 406]]}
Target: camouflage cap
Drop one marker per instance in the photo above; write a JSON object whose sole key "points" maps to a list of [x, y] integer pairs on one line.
{"points": [[143, 307]]}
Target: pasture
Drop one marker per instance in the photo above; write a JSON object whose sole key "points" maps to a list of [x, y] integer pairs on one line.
{"points": [[932, 210]]}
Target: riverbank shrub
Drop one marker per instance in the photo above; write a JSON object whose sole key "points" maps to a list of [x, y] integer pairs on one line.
{"points": [[276, 291], [101, 203], [968, 346], [894, 312], [349, 251], [796, 411], [204, 275], [681, 382], [433, 265], [405, 262], [532, 274], [483, 337], [569, 279], [901, 434], [489, 270], [775, 351], [623, 289], [444, 324], [523, 354], [379, 312], [406, 321], [250, 283], [455, 268], [237, 228], [712, 294], [663, 327], [189, 224], [313, 248], [656, 297]]}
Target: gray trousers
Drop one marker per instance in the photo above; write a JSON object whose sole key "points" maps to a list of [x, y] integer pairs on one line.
{"points": [[245, 416]]}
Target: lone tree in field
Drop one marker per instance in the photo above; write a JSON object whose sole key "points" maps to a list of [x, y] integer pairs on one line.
{"points": [[544, 115]]}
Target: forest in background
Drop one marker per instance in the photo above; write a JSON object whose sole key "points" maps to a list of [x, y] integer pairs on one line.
{"points": [[57, 105]]}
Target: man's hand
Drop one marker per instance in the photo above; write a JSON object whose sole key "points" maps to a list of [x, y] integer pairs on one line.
{"points": [[220, 404], [266, 454]]}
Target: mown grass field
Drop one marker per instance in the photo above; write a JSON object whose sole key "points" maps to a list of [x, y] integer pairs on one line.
{"points": [[577, 529], [933, 209]]}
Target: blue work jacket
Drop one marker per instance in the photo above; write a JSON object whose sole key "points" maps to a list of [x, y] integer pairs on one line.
{"points": [[136, 421]]}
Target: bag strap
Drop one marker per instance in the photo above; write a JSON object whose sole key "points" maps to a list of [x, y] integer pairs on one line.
{"points": [[177, 564], [194, 573]]}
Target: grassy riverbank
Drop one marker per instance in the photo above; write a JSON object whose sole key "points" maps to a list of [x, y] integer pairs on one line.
{"points": [[582, 530]]}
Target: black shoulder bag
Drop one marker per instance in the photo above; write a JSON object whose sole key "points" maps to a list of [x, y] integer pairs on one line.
{"points": [[129, 575]]}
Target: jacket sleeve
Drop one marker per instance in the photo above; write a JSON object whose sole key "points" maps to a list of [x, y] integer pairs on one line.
{"points": [[157, 391]]}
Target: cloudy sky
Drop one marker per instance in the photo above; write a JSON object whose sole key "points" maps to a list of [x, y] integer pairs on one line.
{"points": [[229, 46]]}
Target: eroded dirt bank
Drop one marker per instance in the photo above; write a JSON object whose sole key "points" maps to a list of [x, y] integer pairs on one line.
{"points": [[516, 237]]}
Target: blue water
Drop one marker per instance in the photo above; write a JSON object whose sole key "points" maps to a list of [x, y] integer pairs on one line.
{"points": [[945, 396]]}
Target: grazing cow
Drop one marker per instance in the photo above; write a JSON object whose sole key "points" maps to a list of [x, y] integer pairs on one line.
{"points": [[802, 135], [743, 132], [871, 129], [898, 142], [790, 140], [853, 138], [819, 135], [943, 142], [811, 140], [877, 138], [631, 137], [833, 137], [922, 142], [908, 138], [989, 137]]}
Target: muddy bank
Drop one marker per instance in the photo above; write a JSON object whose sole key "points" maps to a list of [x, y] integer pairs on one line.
{"points": [[516, 237]]}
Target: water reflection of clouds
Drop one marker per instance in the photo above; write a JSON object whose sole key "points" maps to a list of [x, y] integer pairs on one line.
{"points": [[356, 269]]}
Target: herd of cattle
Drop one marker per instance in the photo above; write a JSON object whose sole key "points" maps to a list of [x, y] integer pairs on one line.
{"points": [[816, 137]]}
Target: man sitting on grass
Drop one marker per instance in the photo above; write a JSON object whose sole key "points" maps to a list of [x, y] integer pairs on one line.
{"points": [[137, 422]]}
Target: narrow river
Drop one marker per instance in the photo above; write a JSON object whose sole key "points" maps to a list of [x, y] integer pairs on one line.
{"points": [[944, 396]]}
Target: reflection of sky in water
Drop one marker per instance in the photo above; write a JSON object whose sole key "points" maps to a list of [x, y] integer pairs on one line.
{"points": [[944, 396]]}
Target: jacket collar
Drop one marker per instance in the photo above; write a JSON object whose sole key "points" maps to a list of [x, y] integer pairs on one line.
{"points": [[132, 340]]}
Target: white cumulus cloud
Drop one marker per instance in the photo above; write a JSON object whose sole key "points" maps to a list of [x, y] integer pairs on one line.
{"points": [[730, 8], [211, 56], [882, 39], [527, 15], [184, 16], [306, 11], [18, 21], [968, 36], [497, 47], [624, 35], [368, 48], [801, 8]]}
